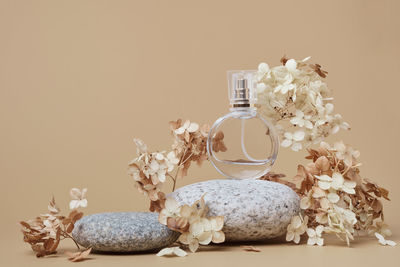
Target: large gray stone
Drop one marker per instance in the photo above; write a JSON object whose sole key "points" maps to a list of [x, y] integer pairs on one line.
{"points": [[123, 232], [252, 209]]}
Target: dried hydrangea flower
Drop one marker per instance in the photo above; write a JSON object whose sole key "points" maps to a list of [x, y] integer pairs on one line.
{"points": [[295, 95], [296, 228], [383, 241], [78, 198], [177, 251], [293, 140], [45, 232], [335, 196], [149, 170], [314, 236], [196, 228]]}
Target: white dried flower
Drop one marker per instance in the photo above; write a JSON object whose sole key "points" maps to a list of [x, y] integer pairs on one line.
{"points": [[188, 126], [336, 182], [296, 228], [296, 93], [172, 251], [346, 153], [302, 120], [78, 198], [314, 236], [172, 209], [293, 140], [383, 241]]}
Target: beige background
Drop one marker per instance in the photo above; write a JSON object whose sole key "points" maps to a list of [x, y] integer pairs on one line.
{"points": [[79, 79]]}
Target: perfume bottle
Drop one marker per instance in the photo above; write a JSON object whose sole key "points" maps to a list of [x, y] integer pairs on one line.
{"points": [[251, 141]]}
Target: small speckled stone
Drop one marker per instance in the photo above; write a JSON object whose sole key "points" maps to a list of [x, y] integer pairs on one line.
{"points": [[123, 232], [252, 209]]}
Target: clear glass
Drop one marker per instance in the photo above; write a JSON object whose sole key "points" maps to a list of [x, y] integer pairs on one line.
{"points": [[251, 141]]}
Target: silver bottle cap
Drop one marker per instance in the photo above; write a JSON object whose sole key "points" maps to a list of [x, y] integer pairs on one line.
{"points": [[241, 84]]}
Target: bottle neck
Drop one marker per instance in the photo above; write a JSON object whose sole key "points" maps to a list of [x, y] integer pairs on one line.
{"points": [[243, 108]]}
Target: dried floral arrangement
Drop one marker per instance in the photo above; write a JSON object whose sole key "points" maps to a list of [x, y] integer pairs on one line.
{"points": [[334, 197], [295, 97], [150, 171], [45, 232]]}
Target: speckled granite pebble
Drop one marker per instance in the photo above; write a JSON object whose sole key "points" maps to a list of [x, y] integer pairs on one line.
{"points": [[253, 209], [123, 232]]}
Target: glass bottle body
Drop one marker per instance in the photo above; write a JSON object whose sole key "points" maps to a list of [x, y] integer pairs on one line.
{"points": [[251, 142]]}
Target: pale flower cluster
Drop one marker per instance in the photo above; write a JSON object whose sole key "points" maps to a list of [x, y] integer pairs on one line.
{"points": [[336, 199], [78, 198], [149, 170], [45, 232], [193, 224], [297, 100]]}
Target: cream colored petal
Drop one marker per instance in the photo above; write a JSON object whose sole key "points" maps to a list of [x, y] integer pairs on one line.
{"points": [[321, 218], [337, 180], [319, 229], [159, 156], [320, 241], [349, 190], [324, 202], [298, 135], [165, 251], [296, 222], [318, 192], [205, 238], [391, 243], [179, 252], [194, 245], [75, 193], [193, 127], [286, 143], [311, 241], [296, 239], [74, 204], [324, 178], [288, 135], [197, 228], [296, 146], [308, 124], [333, 197], [291, 65], [296, 120], [171, 204], [218, 237], [324, 185], [311, 232], [83, 203], [305, 203], [186, 124], [217, 223], [162, 217], [180, 130], [289, 236], [350, 184], [186, 211], [185, 238]]}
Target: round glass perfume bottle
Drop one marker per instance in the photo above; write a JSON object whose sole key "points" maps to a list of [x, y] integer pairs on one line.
{"points": [[251, 141]]}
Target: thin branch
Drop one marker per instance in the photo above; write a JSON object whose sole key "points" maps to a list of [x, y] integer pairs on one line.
{"points": [[69, 236]]}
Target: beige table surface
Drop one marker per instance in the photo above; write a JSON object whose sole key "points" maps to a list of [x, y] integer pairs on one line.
{"points": [[364, 252]]}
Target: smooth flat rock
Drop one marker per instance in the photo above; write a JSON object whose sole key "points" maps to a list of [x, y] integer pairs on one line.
{"points": [[123, 232], [252, 209]]}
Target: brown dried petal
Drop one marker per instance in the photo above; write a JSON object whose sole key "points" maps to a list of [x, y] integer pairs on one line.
{"points": [[250, 248], [78, 256], [179, 224]]}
